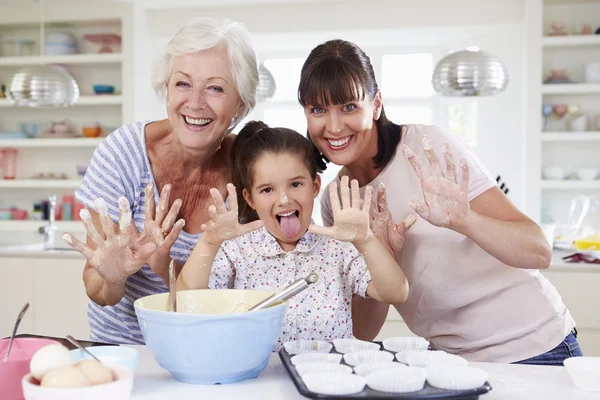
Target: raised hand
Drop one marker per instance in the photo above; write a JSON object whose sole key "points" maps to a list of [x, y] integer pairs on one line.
{"points": [[391, 235], [446, 202], [351, 218], [224, 224], [120, 252]]}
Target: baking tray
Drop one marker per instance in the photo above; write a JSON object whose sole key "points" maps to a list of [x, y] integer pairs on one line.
{"points": [[428, 392]]}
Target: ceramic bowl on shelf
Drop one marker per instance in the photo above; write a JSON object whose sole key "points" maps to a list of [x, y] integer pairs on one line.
{"points": [[554, 173], [586, 174], [211, 338], [104, 89]]}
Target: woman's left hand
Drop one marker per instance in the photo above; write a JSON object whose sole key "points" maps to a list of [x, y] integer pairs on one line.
{"points": [[446, 202], [351, 218]]}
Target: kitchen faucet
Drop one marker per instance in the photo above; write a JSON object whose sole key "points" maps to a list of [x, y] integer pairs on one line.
{"points": [[49, 230]]}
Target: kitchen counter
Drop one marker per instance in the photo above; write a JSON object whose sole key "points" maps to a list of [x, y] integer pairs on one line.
{"points": [[508, 381]]}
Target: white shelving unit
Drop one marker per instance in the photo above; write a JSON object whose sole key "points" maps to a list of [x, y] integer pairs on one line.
{"points": [[88, 67], [40, 183], [558, 146], [97, 100], [50, 143]]}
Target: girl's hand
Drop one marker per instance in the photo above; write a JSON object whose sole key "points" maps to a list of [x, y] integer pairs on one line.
{"points": [[391, 235], [224, 224], [446, 203], [120, 251], [351, 219]]}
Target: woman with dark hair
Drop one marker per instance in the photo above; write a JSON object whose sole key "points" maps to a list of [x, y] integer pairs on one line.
{"points": [[471, 257]]}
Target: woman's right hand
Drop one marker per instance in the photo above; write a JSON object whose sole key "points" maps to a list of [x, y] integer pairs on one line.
{"points": [[391, 235], [224, 224]]}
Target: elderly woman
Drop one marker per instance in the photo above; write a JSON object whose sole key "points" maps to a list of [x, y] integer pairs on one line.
{"points": [[208, 76]]}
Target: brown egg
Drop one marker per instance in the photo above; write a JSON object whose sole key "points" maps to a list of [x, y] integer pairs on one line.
{"points": [[65, 377], [95, 372]]}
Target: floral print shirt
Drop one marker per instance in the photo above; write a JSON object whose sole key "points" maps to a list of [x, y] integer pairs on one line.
{"points": [[321, 312]]}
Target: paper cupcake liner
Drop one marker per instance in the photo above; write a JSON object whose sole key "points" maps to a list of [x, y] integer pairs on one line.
{"points": [[402, 380], [426, 358], [316, 357], [369, 368], [353, 345], [369, 356], [402, 355], [397, 344], [307, 346], [334, 383], [322, 367], [456, 378]]}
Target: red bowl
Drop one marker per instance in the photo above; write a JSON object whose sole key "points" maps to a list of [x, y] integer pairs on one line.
{"points": [[16, 367]]}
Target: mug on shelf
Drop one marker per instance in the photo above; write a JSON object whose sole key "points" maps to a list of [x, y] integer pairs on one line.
{"points": [[8, 163]]}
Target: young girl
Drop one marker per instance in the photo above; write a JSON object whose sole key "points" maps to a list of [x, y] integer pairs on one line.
{"points": [[277, 179]]}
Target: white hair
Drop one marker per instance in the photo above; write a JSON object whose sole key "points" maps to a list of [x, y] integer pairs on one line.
{"points": [[204, 34]]}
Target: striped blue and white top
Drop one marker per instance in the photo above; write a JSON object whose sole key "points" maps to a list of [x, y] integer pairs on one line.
{"points": [[120, 167]]}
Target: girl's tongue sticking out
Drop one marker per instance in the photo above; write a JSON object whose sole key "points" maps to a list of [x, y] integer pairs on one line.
{"points": [[290, 224]]}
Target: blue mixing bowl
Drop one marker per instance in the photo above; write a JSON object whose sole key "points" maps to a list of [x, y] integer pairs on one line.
{"points": [[211, 339]]}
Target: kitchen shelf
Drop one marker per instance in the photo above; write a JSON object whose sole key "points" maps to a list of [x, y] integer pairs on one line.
{"points": [[45, 143], [33, 226], [100, 58], [571, 41], [93, 100], [590, 136], [571, 88], [40, 184], [570, 184]]}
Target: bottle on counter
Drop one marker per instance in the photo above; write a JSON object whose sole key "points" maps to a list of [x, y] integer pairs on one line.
{"points": [[67, 207]]}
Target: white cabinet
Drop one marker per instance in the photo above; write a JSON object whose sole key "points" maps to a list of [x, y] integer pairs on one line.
{"points": [[55, 291], [88, 67], [17, 289], [562, 143]]}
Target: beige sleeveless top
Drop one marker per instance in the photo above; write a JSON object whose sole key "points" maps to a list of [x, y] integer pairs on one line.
{"points": [[462, 299]]}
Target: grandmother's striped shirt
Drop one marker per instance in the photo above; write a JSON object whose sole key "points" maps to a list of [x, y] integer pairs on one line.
{"points": [[120, 167]]}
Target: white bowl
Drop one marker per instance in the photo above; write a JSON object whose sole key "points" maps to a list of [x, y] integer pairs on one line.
{"points": [[554, 173], [116, 390], [586, 174], [584, 372]]}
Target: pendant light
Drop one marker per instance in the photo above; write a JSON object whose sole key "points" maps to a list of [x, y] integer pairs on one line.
{"points": [[266, 84], [45, 85], [469, 72]]}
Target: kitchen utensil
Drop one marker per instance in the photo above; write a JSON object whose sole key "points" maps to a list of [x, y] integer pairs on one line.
{"points": [[172, 288], [75, 343], [12, 337], [287, 292]]}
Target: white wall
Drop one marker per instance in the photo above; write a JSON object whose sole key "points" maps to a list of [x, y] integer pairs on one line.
{"points": [[496, 27]]}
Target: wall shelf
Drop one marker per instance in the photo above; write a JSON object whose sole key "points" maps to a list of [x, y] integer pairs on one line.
{"points": [[591, 136], [570, 184], [33, 226], [40, 184], [100, 58], [45, 143], [571, 41], [571, 88], [93, 100]]}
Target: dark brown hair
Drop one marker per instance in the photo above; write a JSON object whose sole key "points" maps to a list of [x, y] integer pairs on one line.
{"points": [[339, 72], [255, 139]]}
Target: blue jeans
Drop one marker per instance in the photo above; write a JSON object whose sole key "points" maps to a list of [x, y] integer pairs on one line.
{"points": [[567, 348]]}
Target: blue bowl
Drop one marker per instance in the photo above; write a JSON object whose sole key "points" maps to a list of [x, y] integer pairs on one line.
{"points": [[125, 356], [104, 89], [211, 339]]}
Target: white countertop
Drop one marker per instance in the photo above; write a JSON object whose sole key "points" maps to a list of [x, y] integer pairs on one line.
{"points": [[508, 381]]}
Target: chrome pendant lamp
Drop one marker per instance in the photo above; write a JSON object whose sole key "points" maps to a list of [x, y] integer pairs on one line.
{"points": [[266, 84], [45, 85], [469, 72]]}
